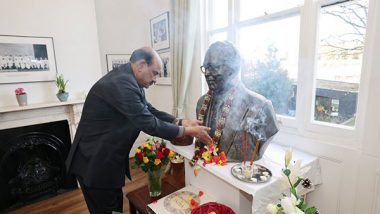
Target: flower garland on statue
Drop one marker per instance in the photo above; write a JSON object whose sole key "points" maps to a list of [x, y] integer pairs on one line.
{"points": [[211, 154]]}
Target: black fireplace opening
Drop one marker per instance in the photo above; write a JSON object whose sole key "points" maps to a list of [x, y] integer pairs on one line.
{"points": [[32, 164]]}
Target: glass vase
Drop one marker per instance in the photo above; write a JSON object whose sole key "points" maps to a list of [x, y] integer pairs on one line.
{"points": [[154, 182]]}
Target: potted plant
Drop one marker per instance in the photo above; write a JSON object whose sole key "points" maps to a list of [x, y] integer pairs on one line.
{"points": [[21, 96], [62, 94]]}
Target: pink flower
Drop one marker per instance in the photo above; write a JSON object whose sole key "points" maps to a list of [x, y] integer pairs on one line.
{"points": [[20, 91]]}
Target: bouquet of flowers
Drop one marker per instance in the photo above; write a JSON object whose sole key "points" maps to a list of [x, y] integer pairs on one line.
{"points": [[292, 177], [152, 155], [19, 91]]}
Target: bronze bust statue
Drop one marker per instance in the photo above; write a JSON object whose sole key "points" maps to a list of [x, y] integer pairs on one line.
{"points": [[233, 112]]}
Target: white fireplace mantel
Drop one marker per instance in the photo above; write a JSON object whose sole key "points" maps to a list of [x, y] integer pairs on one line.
{"points": [[16, 116]]}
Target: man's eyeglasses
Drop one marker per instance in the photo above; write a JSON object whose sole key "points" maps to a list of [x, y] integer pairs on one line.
{"points": [[210, 67]]}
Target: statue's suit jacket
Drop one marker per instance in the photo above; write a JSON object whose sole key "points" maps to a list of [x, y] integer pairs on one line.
{"points": [[250, 112], [114, 113]]}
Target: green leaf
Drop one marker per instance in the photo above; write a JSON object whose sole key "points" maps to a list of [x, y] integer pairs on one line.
{"points": [[294, 191], [311, 210], [286, 172], [302, 205], [298, 182]]}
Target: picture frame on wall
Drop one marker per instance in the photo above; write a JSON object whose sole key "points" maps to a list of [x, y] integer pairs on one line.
{"points": [[165, 78], [27, 59], [115, 60], [159, 31]]}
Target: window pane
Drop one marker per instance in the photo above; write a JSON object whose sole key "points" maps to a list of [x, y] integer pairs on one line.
{"points": [[218, 37], [219, 15], [342, 30], [255, 8], [271, 61]]}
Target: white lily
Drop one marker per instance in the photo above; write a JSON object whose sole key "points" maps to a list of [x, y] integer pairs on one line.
{"points": [[289, 205], [288, 156], [272, 209], [295, 172]]}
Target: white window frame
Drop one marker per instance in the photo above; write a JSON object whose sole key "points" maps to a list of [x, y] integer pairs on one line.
{"points": [[303, 123]]}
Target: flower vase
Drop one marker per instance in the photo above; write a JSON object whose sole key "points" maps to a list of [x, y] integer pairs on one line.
{"points": [[154, 182], [22, 99]]}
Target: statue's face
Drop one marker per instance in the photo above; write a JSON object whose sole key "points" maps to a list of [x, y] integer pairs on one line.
{"points": [[216, 72]]}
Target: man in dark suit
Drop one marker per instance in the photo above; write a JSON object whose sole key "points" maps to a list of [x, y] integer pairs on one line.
{"points": [[114, 113]]}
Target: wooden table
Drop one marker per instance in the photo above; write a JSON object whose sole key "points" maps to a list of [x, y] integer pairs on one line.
{"points": [[139, 198]]}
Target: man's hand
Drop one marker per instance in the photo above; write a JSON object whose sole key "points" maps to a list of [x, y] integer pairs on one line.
{"points": [[189, 122], [200, 132]]}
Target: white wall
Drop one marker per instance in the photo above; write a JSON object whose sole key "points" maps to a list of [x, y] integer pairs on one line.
{"points": [[72, 25]]}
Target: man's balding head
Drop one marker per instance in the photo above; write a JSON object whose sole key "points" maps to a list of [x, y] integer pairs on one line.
{"points": [[146, 66], [145, 53]]}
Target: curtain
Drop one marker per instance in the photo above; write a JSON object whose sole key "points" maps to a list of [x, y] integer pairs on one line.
{"points": [[184, 26]]}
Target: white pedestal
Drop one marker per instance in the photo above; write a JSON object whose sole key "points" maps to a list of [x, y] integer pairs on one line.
{"points": [[245, 197]]}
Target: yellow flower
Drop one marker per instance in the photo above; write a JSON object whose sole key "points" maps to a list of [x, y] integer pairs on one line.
{"points": [[212, 212], [147, 145], [138, 150], [157, 161], [145, 159], [206, 155], [171, 153]]}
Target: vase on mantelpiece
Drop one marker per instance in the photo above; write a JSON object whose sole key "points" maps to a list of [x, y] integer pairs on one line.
{"points": [[154, 182], [22, 99]]}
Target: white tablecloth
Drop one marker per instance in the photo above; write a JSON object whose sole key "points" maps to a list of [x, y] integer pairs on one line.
{"points": [[273, 159]]}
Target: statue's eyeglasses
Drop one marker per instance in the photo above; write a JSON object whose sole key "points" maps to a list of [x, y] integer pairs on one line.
{"points": [[210, 67]]}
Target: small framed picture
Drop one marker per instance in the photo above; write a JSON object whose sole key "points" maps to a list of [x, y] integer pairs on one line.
{"points": [[27, 59], [165, 78], [159, 31], [115, 60]]}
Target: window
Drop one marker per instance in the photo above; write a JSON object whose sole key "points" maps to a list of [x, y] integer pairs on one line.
{"points": [[320, 53], [342, 28], [270, 55], [218, 18], [256, 8], [271, 61]]}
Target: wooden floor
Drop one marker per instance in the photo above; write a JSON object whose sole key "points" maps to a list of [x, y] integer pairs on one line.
{"points": [[73, 201]]}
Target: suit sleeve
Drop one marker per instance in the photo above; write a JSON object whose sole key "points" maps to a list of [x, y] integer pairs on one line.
{"points": [[129, 101]]}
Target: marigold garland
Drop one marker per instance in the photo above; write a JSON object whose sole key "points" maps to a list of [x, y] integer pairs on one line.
{"points": [[210, 154]]}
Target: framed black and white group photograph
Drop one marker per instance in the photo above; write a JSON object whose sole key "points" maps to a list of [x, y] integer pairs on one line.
{"points": [[27, 59], [159, 31], [165, 77], [115, 60]]}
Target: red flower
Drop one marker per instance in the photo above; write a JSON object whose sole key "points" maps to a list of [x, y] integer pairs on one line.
{"points": [[159, 155], [166, 152], [19, 91], [193, 204], [215, 159], [140, 156]]}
